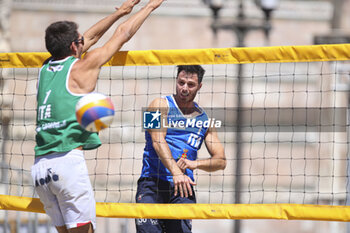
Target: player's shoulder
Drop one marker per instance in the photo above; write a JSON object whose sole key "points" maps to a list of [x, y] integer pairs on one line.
{"points": [[199, 108], [159, 102]]}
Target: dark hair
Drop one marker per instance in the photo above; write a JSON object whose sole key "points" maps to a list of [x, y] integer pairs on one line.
{"points": [[59, 36], [192, 69]]}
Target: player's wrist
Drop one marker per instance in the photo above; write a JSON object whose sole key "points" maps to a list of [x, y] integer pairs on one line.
{"points": [[150, 6], [197, 163], [122, 11], [178, 174], [175, 170]]}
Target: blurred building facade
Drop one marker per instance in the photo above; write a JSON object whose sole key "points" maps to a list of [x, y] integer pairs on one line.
{"points": [[178, 24]]}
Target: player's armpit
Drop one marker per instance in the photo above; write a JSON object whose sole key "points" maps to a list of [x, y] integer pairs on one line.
{"points": [[82, 78]]}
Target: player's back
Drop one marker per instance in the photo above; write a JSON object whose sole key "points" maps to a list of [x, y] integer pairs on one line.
{"points": [[57, 128]]}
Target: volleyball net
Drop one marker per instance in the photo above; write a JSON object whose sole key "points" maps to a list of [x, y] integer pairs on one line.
{"points": [[285, 132]]}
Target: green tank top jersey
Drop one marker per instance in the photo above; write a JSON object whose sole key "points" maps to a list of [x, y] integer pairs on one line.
{"points": [[57, 127]]}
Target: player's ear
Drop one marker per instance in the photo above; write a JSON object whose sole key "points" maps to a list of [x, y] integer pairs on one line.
{"points": [[200, 86], [73, 48]]}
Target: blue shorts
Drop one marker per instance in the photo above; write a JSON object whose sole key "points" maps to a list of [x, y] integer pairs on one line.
{"points": [[153, 190]]}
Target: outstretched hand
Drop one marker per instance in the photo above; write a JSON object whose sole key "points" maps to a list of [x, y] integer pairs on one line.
{"points": [[128, 5], [182, 185]]}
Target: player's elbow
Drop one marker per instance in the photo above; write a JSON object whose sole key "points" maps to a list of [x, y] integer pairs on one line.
{"points": [[223, 164], [221, 157], [217, 163], [123, 34]]}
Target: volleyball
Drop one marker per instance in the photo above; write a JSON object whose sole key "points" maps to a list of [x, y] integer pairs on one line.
{"points": [[94, 112]]}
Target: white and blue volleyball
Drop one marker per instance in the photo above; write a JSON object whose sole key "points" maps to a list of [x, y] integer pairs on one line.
{"points": [[94, 112]]}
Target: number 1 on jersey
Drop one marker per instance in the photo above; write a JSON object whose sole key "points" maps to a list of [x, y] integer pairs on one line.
{"points": [[47, 96]]}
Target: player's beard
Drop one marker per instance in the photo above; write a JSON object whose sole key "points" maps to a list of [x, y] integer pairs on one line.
{"points": [[186, 98]]}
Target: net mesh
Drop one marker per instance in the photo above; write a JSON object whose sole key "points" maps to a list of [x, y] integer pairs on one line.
{"points": [[291, 145]]}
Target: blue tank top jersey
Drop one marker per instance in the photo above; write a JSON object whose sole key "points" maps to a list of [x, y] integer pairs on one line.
{"points": [[183, 141]]}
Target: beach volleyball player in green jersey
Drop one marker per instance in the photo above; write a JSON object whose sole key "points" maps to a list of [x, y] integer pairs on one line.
{"points": [[59, 172]]}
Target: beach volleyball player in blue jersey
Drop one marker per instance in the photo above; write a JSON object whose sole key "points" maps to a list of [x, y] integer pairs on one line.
{"points": [[170, 154]]}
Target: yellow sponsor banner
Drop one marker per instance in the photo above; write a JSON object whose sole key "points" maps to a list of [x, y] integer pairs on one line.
{"points": [[276, 54], [196, 211]]}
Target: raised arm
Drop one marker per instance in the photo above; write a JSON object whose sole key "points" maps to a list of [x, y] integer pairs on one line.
{"points": [[182, 183], [217, 161], [93, 34], [85, 72], [123, 33]]}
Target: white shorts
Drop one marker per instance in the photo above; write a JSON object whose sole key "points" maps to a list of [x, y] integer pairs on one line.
{"points": [[62, 182]]}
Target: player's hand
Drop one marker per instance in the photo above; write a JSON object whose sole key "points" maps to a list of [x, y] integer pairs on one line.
{"points": [[182, 185], [128, 5], [155, 3], [185, 163]]}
